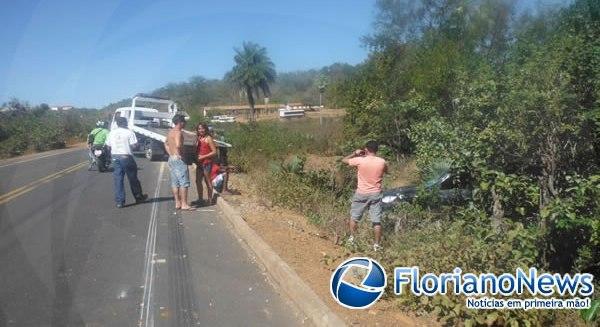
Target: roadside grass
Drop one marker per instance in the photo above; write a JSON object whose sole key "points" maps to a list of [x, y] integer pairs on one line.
{"points": [[258, 144], [274, 154]]}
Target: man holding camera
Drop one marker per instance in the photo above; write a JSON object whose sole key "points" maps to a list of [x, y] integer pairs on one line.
{"points": [[368, 193]]}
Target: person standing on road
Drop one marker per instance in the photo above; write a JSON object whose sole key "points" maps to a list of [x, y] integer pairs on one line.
{"points": [[120, 141], [206, 152], [180, 176], [368, 192]]}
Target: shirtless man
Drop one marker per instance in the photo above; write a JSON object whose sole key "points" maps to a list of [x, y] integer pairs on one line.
{"points": [[180, 176]]}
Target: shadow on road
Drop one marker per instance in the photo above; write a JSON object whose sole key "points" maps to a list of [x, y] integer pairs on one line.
{"points": [[161, 199]]}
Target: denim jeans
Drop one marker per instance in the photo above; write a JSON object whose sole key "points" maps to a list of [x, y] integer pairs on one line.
{"points": [[125, 165]]}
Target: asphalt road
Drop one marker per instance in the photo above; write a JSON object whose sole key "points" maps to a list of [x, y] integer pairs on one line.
{"points": [[70, 258]]}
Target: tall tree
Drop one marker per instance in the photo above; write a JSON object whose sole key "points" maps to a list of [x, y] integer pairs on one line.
{"points": [[322, 83], [252, 73]]}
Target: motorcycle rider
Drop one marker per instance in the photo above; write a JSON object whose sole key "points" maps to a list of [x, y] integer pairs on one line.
{"points": [[96, 140]]}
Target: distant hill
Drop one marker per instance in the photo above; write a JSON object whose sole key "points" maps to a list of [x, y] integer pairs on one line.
{"points": [[298, 86]]}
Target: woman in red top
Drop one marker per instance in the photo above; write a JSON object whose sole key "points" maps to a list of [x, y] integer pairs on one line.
{"points": [[206, 152]]}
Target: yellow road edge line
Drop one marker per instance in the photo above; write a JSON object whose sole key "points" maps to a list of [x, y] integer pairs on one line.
{"points": [[26, 188], [12, 163], [46, 179], [37, 181]]}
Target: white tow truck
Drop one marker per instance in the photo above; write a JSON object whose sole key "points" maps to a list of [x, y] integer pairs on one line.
{"points": [[150, 118]]}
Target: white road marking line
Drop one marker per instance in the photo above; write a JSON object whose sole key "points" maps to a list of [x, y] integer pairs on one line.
{"points": [[146, 312]]}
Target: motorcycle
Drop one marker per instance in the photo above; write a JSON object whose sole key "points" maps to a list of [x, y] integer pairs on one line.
{"points": [[101, 157]]}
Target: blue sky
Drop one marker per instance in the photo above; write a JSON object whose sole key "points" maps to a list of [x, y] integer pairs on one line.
{"points": [[91, 53]]}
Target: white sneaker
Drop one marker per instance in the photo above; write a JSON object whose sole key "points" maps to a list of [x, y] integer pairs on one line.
{"points": [[377, 247]]}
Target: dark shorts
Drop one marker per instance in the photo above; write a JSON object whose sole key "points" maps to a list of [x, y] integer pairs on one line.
{"points": [[207, 167], [362, 202]]}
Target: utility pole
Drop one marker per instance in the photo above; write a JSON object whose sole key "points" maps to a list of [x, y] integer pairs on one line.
{"points": [[267, 105], [321, 85]]}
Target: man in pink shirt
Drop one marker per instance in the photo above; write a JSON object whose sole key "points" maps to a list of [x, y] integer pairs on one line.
{"points": [[368, 192]]}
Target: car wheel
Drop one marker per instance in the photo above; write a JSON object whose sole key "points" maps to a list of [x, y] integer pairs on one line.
{"points": [[151, 152]]}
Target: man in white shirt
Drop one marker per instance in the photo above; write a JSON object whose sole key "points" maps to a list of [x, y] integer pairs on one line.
{"points": [[120, 141]]}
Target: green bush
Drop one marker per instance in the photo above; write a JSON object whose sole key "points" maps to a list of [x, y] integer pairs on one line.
{"points": [[319, 195], [257, 144], [26, 129], [416, 237]]}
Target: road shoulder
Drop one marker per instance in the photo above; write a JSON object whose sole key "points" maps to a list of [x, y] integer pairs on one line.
{"points": [[231, 287], [284, 277]]}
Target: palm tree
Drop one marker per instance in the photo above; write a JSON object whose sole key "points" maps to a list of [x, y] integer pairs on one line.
{"points": [[252, 73]]}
